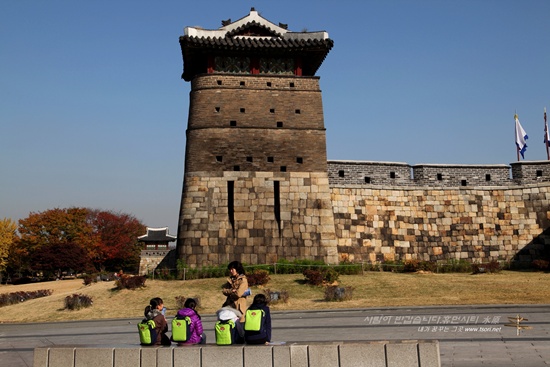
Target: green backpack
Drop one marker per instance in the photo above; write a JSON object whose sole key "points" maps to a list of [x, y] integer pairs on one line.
{"points": [[224, 332], [147, 333], [181, 329], [254, 320]]}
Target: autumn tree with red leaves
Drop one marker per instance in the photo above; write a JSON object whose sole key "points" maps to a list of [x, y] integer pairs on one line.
{"points": [[116, 245], [78, 239]]}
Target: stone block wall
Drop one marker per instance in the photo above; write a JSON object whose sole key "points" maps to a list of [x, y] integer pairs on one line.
{"points": [[256, 218], [478, 224], [153, 259]]}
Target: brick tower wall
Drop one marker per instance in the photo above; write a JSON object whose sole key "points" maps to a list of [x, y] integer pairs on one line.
{"points": [[257, 123], [256, 183]]}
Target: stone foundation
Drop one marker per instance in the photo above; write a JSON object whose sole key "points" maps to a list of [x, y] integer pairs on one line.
{"points": [[256, 218]]}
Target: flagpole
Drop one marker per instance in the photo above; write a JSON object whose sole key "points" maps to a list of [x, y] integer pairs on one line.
{"points": [[546, 135], [516, 134]]}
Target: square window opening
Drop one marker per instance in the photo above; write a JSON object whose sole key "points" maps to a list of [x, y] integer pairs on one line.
{"points": [[283, 168], [291, 85], [217, 109], [279, 124], [270, 159], [392, 174], [243, 110], [341, 173], [219, 158], [249, 159], [242, 84], [439, 177], [297, 112], [539, 173], [299, 160], [487, 177], [367, 180], [219, 82], [236, 168], [232, 123], [268, 84], [271, 110], [463, 183]]}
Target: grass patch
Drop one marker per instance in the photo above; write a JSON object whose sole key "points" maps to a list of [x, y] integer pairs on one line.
{"points": [[374, 289]]}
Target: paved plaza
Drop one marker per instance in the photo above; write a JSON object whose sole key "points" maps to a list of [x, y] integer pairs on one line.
{"points": [[469, 335]]}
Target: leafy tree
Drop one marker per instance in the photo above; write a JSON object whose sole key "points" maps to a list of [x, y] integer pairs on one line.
{"points": [[53, 259], [54, 227], [8, 234], [117, 247], [80, 237]]}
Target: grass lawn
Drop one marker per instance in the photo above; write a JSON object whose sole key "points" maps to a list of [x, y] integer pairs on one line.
{"points": [[374, 289]]}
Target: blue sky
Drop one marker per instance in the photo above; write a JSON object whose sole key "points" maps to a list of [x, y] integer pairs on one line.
{"points": [[93, 111]]}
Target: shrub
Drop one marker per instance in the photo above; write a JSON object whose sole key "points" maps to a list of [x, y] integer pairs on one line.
{"points": [[313, 277], [258, 277], [88, 279], [276, 296], [348, 268], [335, 293], [330, 275], [7, 299], [318, 277], [78, 301], [456, 266], [130, 282], [427, 266], [393, 266], [205, 272], [541, 264], [491, 267], [411, 266]]}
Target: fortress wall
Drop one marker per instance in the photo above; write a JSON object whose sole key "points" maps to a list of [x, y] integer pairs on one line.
{"points": [[461, 175], [369, 173], [531, 172], [476, 223], [256, 218], [373, 174]]}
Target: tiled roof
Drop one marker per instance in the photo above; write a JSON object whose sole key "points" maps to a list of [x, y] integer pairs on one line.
{"points": [[252, 35], [256, 43], [157, 235]]}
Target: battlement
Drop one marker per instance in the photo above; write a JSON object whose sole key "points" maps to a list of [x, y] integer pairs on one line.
{"points": [[369, 173]]}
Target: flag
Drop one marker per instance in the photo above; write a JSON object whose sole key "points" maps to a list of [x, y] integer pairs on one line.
{"points": [[521, 137]]}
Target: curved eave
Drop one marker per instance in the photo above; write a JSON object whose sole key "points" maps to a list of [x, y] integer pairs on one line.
{"points": [[195, 50]]}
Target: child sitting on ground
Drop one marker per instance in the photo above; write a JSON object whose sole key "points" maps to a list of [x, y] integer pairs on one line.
{"points": [[154, 312], [229, 312], [197, 335], [257, 327]]}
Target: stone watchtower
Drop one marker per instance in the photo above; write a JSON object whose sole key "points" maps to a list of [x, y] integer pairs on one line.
{"points": [[256, 185]]}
